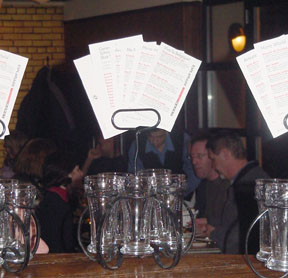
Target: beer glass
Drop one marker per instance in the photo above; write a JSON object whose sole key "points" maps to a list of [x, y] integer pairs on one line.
{"points": [[264, 232], [170, 190], [157, 227], [137, 216], [19, 198], [100, 190], [276, 200]]}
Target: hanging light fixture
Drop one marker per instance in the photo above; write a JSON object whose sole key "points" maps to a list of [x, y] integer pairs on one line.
{"points": [[237, 37]]}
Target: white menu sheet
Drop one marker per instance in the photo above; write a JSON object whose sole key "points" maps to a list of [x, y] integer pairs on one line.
{"points": [[265, 69], [169, 83], [98, 100], [129, 73], [12, 68]]}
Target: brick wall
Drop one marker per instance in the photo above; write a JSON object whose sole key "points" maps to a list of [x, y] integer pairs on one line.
{"points": [[34, 32]]}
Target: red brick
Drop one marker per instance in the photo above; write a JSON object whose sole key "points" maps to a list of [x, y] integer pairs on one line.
{"points": [[23, 43], [30, 11], [11, 11], [52, 23], [32, 23], [22, 17], [6, 43], [50, 11], [21, 11], [51, 36], [42, 30], [7, 30], [13, 23], [24, 30], [12, 36], [42, 17], [40, 11], [31, 36], [41, 43]]}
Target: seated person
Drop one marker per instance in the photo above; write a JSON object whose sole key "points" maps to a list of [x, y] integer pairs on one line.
{"points": [[228, 156], [54, 211], [29, 162], [212, 190], [13, 144], [105, 157], [159, 149]]}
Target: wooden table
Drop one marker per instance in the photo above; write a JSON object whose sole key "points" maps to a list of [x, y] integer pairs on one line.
{"points": [[190, 265]]}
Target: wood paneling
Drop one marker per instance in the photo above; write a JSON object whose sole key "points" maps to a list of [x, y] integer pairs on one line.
{"points": [[179, 25]]}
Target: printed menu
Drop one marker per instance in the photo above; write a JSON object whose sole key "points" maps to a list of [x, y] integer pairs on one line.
{"points": [[130, 73], [265, 69], [12, 68]]}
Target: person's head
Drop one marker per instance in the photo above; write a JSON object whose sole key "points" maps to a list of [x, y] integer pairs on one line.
{"points": [[198, 152], [57, 168], [157, 138], [227, 153], [31, 158], [14, 142]]}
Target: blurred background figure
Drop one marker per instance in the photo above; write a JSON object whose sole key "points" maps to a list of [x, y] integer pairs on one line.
{"points": [[228, 155], [13, 144], [104, 157], [211, 194], [59, 182], [29, 162], [159, 149]]}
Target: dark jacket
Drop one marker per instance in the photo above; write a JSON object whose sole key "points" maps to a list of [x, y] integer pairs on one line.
{"points": [[56, 223], [239, 212]]}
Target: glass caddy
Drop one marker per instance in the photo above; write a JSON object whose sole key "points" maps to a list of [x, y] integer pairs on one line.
{"points": [[16, 214], [135, 216], [272, 198], [142, 215]]}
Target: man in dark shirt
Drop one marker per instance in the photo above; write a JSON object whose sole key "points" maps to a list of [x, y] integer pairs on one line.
{"points": [[159, 149], [229, 158], [211, 192]]}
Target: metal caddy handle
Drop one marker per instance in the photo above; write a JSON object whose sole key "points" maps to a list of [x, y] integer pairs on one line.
{"points": [[26, 239], [2, 128]]}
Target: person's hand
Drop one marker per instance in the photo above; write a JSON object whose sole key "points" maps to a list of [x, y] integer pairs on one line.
{"points": [[210, 229], [42, 248], [203, 229], [201, 226], [94, 153]]}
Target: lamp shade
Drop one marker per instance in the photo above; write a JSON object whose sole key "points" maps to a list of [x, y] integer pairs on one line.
{"points": [[237, 38]]}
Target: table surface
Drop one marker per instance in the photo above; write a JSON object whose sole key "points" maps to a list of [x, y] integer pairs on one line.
{"points": [[190, 265]]}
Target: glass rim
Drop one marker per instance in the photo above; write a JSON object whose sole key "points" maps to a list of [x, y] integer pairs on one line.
{"points": [[271, 180]]}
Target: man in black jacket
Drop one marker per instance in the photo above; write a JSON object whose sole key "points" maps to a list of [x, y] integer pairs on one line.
{"points": [[229, 159]]}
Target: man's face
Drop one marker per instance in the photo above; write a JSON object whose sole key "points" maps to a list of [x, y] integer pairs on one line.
{"points": [[200, 160], [219, 163], [157, 138]]}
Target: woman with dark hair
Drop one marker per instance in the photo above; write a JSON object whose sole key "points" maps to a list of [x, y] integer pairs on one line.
{"points": [[29, 162], [54, 211], [13, 144]]}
